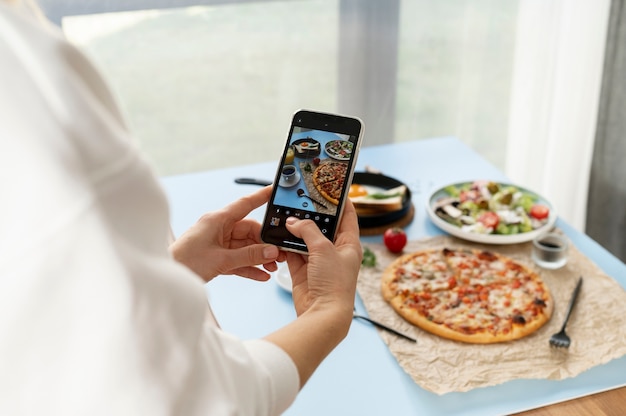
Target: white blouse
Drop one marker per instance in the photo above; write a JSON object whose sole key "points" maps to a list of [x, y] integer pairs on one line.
{"points": [[96, 318]]}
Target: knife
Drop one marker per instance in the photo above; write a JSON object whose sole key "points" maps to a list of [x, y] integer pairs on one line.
{"points": [[381, 326], [252, 181]]}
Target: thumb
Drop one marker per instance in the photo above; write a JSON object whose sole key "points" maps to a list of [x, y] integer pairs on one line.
{"points": [[306, 230]]}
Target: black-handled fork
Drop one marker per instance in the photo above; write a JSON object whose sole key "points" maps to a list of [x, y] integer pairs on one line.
{"points": [[561, 339]]}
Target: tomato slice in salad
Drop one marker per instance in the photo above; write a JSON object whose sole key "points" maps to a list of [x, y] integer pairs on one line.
{"points": [[489, 219], [539, 211]]}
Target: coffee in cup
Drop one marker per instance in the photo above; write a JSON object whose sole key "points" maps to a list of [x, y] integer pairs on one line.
{"points": [[289, 173]]}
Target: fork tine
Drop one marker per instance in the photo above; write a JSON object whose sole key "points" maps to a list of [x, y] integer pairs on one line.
{"points": [[560, 339], [559, 343]]}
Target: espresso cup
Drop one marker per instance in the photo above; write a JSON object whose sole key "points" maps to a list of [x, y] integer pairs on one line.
{"points": [[289, 173]]}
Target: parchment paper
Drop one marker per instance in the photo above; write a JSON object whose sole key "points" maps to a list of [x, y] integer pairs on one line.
{"points": [[597, 327]]}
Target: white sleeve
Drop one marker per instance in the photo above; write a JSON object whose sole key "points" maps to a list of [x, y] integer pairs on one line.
{"points": [[96, 317], [286, 380], [260, 379]]}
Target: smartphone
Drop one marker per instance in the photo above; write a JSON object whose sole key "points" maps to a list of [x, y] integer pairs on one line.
{"points": [[313, 176]]}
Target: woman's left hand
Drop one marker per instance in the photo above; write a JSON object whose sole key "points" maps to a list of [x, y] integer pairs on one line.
{"points": [[225, 242]]}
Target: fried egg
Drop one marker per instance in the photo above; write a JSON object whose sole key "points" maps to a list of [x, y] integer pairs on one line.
{"points": [[357, 190], [371, 199]]}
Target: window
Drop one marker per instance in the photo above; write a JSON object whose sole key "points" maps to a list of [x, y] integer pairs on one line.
{"points": [[212, 86], [454, 72]]}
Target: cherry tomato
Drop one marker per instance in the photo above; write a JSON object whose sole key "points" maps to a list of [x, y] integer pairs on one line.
{"points": [[468, 195], [489, 219], [316, 161], [539, 211], [394, 239]]}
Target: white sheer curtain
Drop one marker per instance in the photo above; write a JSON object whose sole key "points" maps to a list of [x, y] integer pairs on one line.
{"points": [[555, 94]]}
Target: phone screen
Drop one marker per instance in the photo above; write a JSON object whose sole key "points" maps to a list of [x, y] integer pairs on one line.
{"points": [[313, 176]]}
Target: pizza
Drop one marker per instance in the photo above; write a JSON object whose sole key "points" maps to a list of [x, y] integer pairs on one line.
{"points": [[328, 178], [467, 295]]}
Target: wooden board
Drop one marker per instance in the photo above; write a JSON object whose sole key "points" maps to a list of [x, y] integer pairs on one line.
{"points": [[401, 223]]}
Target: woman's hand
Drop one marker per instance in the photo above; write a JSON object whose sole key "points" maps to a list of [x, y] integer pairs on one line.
{"points": [[225, 242], [324, 286], [328, 274]]}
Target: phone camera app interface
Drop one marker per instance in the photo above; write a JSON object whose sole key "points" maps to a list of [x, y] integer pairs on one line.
{"points": [[312, 177]]}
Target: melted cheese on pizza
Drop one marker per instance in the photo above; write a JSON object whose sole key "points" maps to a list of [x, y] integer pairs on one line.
{"points": [[467, 295]]}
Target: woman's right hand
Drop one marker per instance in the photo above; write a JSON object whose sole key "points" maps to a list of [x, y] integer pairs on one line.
{"points": [[324, 287], [327, 276]]}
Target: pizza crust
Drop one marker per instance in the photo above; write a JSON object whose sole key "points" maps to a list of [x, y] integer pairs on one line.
{"points": [[472, 318], [329, 178]]}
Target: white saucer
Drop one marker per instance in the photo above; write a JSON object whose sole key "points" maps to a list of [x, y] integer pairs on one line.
{"points": [[296, 179], [282, 277]]}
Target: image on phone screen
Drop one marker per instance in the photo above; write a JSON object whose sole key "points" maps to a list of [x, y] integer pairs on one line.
{"points": [[312, 177]]}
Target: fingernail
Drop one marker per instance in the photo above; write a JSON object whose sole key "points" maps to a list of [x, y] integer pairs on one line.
{"points": [[291, 220], [270, 252]]}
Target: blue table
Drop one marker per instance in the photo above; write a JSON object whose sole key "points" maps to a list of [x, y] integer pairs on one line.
{"points": [[361, 377]]}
